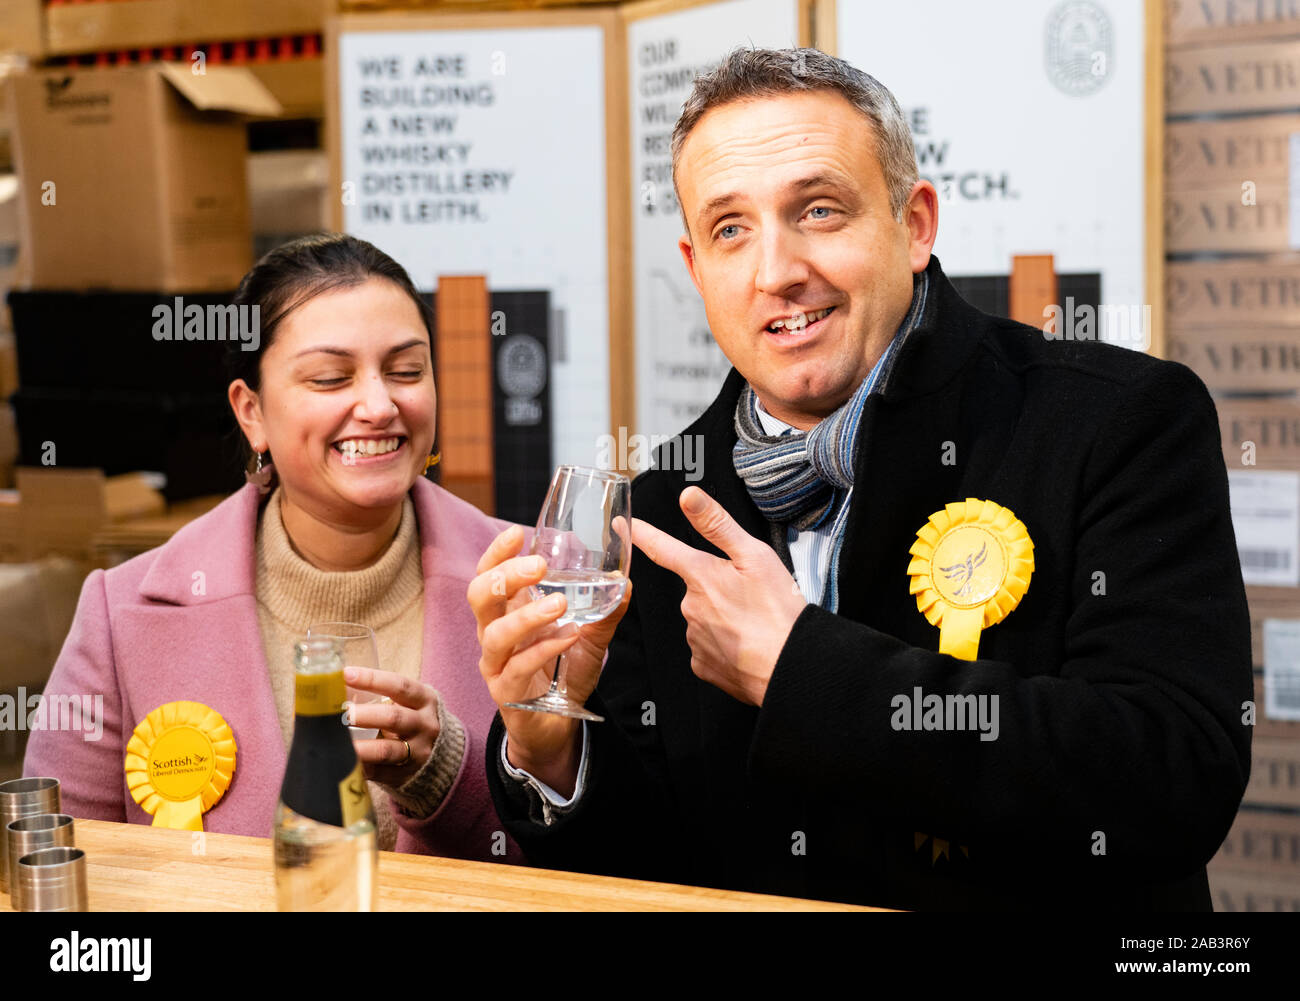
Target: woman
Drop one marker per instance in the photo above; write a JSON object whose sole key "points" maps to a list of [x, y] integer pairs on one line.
{"points": [[340, 392]]}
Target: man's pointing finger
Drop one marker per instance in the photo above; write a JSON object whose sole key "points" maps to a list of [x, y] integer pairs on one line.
{"points": [[712, 521], [671, 554]]}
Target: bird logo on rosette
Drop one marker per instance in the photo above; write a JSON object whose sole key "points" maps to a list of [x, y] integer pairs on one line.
{"points": [[965, 570]]}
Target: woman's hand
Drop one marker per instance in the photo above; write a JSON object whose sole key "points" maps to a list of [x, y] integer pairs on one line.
{"points": [[410, 718]]}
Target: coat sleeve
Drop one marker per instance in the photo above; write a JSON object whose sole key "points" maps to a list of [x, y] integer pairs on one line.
{"points": [[455, 818], [1139, 736], [87, 762]]}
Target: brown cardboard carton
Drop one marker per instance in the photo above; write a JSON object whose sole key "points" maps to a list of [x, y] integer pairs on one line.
{"points": [[1274, 772], [1257, 76], [1218, 22], [99, 27], [21, 27], [1231, 151], [1253, 891], [1261, 841], [134, 178], [288, 190]]}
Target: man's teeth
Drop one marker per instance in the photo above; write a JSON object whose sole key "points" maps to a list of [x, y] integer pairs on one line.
{"points": [[368, 446], [800, 320]]}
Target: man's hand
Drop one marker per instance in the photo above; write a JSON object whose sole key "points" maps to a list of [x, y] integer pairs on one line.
{"points": [[519, 644], [738, 611]]}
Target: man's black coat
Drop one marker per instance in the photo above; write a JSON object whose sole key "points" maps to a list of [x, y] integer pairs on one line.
{"points": [[1121, 755]]}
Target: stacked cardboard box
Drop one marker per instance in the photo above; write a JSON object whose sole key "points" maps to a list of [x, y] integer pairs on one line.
{"points": [[1232, 152], [135, 178]]}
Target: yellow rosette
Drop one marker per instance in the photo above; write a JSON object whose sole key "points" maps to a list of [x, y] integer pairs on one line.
{"points": [[971, 564], [179, 762]]}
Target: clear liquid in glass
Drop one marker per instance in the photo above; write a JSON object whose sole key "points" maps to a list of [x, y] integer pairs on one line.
{"points": [[591, 594]]}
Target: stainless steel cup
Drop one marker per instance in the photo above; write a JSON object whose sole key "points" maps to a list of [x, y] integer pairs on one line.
{"points": [[30, 834], [52, 879], [22, 798]]}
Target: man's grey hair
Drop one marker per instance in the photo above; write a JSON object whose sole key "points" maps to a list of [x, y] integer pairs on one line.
{"points": [[754, 73]]}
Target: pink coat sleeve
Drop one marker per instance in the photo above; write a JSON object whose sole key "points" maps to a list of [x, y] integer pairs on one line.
{"points": [[466, 824], [87, 762]]}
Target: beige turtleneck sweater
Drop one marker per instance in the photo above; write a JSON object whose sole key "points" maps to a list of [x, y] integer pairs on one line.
{"points": [[388, 596]]}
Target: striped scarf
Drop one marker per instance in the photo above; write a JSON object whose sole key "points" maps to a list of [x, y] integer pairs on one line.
{"points": [[802, 478]]}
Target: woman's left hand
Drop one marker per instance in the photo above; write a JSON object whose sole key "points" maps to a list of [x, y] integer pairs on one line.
{"points": [[411, 718]]}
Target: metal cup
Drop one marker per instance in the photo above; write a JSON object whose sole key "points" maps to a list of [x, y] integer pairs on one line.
{"points": [[22, 798], [30, 834], [52, 879]]}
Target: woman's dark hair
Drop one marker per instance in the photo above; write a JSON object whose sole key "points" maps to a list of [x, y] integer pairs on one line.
{"points": [[302, 269], [297, 271]]}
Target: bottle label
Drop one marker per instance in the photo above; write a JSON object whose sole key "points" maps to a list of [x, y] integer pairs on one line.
{"points": [[354, 796], [319, 694]]}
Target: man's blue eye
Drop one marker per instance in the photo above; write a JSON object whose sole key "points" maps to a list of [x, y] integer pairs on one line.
{"points": [[821, 208], [723, 232]]}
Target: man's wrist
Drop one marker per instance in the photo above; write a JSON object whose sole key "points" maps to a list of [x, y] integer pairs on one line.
{"points": [[559, 771]]}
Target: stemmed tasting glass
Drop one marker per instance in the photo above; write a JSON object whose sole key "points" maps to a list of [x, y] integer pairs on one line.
{"points": [[584, 534]]}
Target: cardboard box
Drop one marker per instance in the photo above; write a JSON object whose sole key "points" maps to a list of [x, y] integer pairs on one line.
{"points": [[1233, 357], [298, 84], [1262, 292], [22, 27], [288, 191], [1252, 891], [1272, 426], [1253, 147], [1258, 76], [8, 447], [60, 510], [9, 530], [134, 178], [1274, 772], [99, 27], [1209, 22], [1261, 841], [1226, 217]]}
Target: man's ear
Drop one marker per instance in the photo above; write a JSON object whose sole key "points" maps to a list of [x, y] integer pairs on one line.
{"points": [[921, 216], [248, 412], [688, 255]]}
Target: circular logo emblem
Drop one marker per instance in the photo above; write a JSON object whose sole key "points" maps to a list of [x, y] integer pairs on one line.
{"points": [[521, 366], [181, 763], [1079, 47], [968, 566]]}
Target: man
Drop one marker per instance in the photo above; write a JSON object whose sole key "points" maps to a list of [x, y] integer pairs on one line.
{"points": [[781, 716]]}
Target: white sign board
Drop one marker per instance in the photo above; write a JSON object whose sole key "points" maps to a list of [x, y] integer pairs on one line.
{"points": [[679, 367], [483, 152], [1029, 121]]}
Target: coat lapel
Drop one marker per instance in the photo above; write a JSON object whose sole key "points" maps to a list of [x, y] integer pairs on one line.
{"points": [[917, 452], [197, 638]]}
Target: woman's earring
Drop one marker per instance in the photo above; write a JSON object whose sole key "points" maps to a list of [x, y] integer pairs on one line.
{"points": [[261, 476], [432, 461]]}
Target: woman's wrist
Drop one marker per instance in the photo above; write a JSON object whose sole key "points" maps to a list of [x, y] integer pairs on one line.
{"points": [[424, 792]]}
